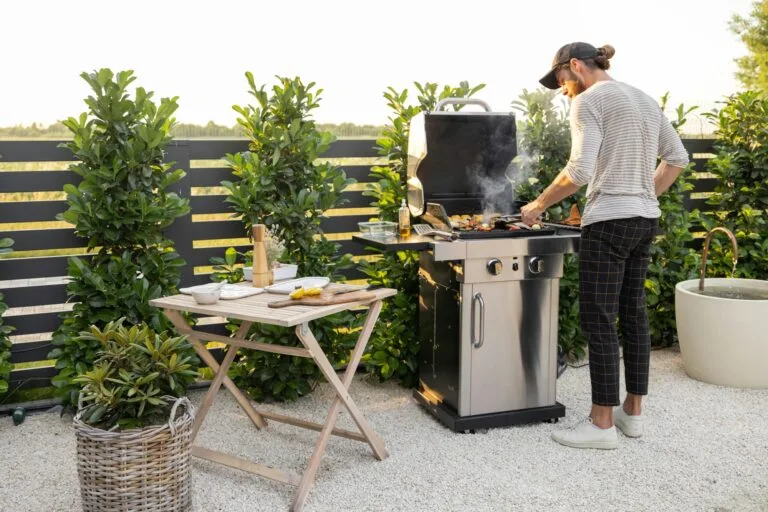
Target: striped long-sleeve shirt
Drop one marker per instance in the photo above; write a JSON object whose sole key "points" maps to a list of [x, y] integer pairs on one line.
{"points": [[617, 134]]}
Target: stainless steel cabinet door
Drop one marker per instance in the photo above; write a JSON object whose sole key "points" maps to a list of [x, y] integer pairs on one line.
{"points": [[510, 344]]}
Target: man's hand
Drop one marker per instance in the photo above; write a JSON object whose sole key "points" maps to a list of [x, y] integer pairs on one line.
{"points": [[559, 189], [531, 213]]}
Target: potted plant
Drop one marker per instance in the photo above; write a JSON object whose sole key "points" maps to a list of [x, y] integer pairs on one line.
{"points": [[121, 209], [133, 425]]}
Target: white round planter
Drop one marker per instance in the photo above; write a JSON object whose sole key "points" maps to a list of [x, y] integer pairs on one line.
{"points": [[723, 341]]}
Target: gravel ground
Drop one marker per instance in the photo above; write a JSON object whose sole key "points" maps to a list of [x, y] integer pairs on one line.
{"points": [[705, 449]]}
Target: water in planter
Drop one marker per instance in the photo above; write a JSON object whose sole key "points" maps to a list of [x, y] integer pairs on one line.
{"points": [[731, 292]]}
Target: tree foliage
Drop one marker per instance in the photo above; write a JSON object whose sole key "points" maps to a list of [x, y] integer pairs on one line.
{"points": [[187, 131], [672, 259], [121, 208], [281, 183], [544, 146], [753, 32], [5, 331], [394, 345], [741, 195]]}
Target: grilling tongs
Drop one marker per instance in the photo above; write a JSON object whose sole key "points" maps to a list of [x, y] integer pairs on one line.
{"points": [[426, 230]]}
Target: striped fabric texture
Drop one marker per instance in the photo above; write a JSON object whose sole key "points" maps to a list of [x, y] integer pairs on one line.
{"points": [[617, 134]]}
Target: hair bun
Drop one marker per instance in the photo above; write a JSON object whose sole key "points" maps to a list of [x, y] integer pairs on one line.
{"points": [[606, 50]]}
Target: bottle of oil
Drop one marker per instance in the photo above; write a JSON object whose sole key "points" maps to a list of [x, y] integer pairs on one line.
{"points": [[404, 220]]}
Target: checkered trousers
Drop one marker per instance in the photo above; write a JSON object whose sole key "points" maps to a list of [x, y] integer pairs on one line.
{"points": [[614, 257]]}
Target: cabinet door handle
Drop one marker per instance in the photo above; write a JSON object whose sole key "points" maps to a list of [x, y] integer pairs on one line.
{"points": [[477, 342]]}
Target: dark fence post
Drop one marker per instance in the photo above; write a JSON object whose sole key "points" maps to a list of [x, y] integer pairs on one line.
{"points": [[181, 231]]}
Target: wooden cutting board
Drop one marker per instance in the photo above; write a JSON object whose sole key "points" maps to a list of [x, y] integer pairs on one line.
{"points": [[325, 299]]}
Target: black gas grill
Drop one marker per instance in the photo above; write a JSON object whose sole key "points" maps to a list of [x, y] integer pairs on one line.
{"points": [[488, 299]]}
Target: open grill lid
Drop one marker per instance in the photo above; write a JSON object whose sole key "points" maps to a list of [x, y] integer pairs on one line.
{"points": [[461, 160]]}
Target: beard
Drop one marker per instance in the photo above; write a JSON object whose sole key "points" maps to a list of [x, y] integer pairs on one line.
{"points": [[580, 85], [577, 86]]}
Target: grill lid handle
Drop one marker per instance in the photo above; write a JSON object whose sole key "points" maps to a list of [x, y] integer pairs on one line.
{"points": [[462, 101]]}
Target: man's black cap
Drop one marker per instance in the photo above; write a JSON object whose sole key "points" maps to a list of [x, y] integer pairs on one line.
{"points": [[581, 51]]}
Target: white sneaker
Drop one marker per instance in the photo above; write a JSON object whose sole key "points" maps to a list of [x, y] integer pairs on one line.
{"points": [[631, 426], [588, 435]]}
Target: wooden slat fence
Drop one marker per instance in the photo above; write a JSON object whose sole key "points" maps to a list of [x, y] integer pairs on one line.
{"points": [[34, 285]]}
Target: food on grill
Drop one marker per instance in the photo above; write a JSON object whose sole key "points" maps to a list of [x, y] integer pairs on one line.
{"points": [[460, 221], [485, 223], [574, 217]]}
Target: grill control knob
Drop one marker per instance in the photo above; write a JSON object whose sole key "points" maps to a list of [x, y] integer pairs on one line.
{"points": [[536, 265], [494, 266]]}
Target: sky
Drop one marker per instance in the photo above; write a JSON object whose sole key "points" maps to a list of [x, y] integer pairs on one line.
{"points": [[354, 50]]}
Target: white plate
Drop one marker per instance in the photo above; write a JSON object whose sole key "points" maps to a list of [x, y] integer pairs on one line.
{"points": [[228, 291], [303, 282]]}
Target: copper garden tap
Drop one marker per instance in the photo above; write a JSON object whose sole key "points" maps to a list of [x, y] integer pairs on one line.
{"points": [[706, 250]]}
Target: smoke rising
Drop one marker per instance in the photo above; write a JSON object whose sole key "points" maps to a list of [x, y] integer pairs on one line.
{"points": [[497, 172]]}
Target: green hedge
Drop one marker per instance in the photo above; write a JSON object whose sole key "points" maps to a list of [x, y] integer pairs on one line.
{"points": [[279, 182], [121, 209], [741, 196], [5, 330]]}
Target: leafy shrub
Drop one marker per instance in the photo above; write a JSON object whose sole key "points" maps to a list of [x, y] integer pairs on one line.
{"points": [[5, 330], [133, 372], [545, 148], [394, 344], [121, 207], [741, 196], [280, 183], [672, 259], [544, 145]]}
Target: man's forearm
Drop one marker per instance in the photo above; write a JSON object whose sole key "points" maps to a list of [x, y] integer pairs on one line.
{"points": [[560, 188], [664, 177]]}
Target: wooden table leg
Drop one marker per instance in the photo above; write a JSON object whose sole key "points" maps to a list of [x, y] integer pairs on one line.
{"points": [[206, 356], [218, 379], [342, 395]]}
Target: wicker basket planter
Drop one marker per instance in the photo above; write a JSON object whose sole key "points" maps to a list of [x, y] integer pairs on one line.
{"points": [[137, 470]]}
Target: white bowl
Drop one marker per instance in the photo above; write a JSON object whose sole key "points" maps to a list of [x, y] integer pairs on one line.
{"points": [[207, 296], [284, 271]]}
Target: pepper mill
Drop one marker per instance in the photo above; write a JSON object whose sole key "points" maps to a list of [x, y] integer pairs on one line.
{"points": [[262, 276]]}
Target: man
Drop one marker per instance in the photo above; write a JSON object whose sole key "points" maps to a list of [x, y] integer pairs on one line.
{"points": [[617, 134]]}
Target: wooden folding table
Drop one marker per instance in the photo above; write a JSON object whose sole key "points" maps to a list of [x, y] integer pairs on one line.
{"points": [[254, 309]]}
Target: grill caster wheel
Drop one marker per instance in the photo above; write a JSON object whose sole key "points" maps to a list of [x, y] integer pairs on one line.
{"points": [[476, 431], [552, 420]]}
